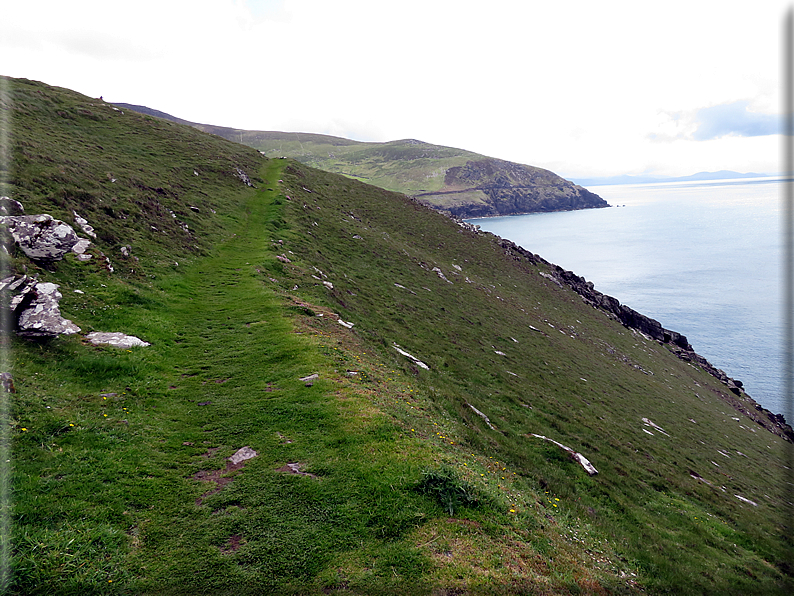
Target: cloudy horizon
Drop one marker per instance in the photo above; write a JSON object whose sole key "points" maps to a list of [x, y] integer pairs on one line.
{"points": [[581, 89]]}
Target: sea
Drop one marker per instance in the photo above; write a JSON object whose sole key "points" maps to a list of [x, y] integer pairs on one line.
{"points": [[702, 258]]}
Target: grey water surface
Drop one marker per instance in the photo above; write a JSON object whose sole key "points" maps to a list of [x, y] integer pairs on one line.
{"points": [[703, 259]]}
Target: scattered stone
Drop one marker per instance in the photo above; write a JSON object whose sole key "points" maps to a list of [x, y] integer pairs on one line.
{"points": [[699, 478], [550, 277], [581, 459], [204, 403], [115, 339], [43, 318], [309, 381], [440, 274], [283, 258], [83, 223], [483, 416], [244, 177], [415, 360], [294, 468], [242, 454], [748, 501], [108, 264], [652, 425], [81, 246]]}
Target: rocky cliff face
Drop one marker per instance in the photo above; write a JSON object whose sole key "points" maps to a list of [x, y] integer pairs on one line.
{"points": [[491, 187]]}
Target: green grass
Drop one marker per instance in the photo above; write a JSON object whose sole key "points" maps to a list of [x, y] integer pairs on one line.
{"points": [[463, 183], [119, 477]]}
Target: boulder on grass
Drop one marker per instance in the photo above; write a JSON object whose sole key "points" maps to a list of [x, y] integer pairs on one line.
{"points": [[41, 237], [115, 339], [42, 319]]}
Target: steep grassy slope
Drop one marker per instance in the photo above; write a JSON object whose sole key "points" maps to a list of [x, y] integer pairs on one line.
{"points": [[463, 183], [119, 477]]}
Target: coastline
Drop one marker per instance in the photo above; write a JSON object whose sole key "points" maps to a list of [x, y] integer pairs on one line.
{"points": [[735, 396]]}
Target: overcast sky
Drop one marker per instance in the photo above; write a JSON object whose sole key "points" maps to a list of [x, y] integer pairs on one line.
{"points": [[582, 88]]}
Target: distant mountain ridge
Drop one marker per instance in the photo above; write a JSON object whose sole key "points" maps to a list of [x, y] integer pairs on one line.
{"points": [[456, 181], [629, 179]]}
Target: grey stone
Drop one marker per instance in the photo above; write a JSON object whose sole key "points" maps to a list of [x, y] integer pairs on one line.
{"points": [[244, 177], [81, 246], [83, 223], [242, 455], [115, 339], [43, 318], [309, 381], [9, 206], [40, 236]]}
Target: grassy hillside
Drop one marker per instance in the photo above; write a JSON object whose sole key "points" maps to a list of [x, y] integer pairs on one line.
{"points": [[381, 475], [460, 182]]}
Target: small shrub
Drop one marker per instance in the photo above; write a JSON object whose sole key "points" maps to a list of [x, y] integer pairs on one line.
{"points": [[447, 489]]}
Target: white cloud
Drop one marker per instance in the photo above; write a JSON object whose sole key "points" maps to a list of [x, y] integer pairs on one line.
{"points": [[580, 85]]}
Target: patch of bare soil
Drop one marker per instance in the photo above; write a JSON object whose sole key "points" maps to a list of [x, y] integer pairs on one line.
{"points": [[233, 544], [222, 477]]}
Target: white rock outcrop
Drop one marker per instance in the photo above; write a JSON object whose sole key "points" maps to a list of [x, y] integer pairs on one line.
{"points": [[116, 340], [43, 318]]}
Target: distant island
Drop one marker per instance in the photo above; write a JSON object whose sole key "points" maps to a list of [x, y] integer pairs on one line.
{"points": [[628, 179]]}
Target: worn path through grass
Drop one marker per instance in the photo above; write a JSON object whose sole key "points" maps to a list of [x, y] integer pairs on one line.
{"points": [[235, 383]]}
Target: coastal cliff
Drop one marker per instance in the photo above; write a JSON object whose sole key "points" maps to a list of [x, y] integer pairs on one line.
{"points": [[492, 187]]}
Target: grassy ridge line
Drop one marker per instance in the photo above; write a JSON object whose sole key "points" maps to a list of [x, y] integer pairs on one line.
{"points": [[464, 183]]}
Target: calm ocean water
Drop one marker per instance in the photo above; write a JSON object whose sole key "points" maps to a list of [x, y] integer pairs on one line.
{"points": [[703, 259]]}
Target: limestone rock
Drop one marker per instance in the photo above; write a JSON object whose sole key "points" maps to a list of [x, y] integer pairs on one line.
{"points": [[83, 223], [9, 206], [244, 177], [17, 293], [81, 246], [40, 236], [115, 339], [42, 319], [243, 454]]}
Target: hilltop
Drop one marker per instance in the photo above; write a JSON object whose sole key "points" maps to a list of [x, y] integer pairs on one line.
{"points": [[347, 392], [459, 182]]}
